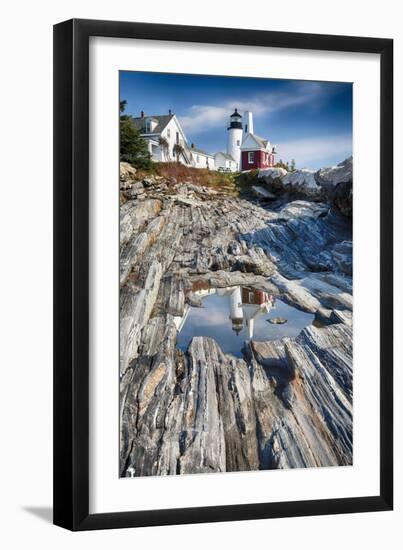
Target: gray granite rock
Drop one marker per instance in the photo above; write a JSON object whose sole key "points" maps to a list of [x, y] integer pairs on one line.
{"points": [[334, 175], [134, 190], [127, 174], [332, 184], [302, 181], [272, 176], [287, 403]]}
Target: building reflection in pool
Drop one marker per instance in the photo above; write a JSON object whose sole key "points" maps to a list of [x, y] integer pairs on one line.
{"points": [[237, 314], [245, 305]]}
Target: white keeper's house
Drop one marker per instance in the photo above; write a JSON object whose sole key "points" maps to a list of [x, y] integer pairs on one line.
{"points": [[167, 143], [201, 159]]}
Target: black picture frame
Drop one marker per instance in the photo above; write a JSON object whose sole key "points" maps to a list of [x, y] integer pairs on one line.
{"points": [[71, 274]]}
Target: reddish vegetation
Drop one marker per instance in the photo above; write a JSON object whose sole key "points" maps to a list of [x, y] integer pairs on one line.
{"points": [[198, 176]]}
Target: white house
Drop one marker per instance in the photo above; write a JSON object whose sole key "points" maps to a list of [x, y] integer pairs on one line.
{"points": [[162, 133], [201, 159], [224, 161]]}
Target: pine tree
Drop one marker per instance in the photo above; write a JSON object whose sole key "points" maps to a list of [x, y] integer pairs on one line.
{"points": [[281, 164], [122, 105], [133, 148]]}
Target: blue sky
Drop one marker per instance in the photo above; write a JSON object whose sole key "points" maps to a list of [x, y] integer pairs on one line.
{"points": [[308, 121]]}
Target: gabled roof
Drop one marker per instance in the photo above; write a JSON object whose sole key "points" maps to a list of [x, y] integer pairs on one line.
{"points": [[196, 150], [225, 155], [260, 142], [162, 121]]}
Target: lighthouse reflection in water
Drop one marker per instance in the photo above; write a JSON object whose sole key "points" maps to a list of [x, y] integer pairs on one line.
{"points": [[237, 314]]}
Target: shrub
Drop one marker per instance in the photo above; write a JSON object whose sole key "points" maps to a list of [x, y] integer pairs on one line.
{"points": [[245, 180], [281, 164]]}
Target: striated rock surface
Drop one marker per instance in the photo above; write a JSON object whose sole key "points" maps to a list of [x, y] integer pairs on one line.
{"points": [[287, 403], [304, 417]]}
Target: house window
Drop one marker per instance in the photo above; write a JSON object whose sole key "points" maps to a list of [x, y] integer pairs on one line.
{"points": [[238, 142], [177, 137], [197, 158], [251, 157], [169, 133]]}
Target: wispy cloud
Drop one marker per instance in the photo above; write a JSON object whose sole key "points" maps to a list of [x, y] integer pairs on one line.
{"points": [[201, 118], [310, 152]]}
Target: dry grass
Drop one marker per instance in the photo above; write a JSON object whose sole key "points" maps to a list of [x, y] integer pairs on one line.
{"points": [[229, 183], [198, 176]]}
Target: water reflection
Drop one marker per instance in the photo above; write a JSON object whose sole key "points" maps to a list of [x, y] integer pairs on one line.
{"points": [[245, 305], [237, 314]]}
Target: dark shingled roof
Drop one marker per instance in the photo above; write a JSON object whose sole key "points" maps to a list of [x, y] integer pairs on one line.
{"points": [[140, 123]]}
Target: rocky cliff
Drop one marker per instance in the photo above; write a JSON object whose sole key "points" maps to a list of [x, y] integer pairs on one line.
{"points": [[287, 403], [333, 185]]}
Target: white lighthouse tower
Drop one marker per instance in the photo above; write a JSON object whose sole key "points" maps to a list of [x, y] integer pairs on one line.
{"points": [[235, 309], [235, 138]]}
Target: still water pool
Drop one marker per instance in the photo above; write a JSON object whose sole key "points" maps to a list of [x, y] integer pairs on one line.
{"points": [[237, 314]]}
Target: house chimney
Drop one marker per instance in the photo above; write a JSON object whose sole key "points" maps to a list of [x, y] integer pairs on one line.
{"points": [[142, 114], [192, 146], [170, 112], [248, 121]]}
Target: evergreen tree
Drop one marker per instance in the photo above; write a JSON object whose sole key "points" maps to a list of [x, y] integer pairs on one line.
{"points": [[122, 105], [292, 166], [133, 148], [281, 164]]}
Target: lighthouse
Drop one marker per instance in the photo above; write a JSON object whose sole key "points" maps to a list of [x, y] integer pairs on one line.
{"points": [[235, 138], [235, 308]]}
